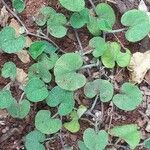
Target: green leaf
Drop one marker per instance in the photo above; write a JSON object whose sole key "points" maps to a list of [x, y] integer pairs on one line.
{"points": [[82, 146], [18, 5], [95, 141], [33, 141], [19, 110], [73, 126], [9, 43], [39, 70], [6, 99], [106, 16], [9, 70], [44, 14], [130, 97], [61, 98], [45, 124], [113, 54], [65, 72], [56, 25], [100, 87], [79, 19], [128, 133], [99, 46], [73, 5], [138, 23], [147, 143], [36, 90], [81, 110]]}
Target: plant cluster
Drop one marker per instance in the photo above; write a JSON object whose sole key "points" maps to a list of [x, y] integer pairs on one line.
{"points": [[66, 71]]}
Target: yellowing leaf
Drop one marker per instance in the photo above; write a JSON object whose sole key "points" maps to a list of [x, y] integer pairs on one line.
{"points": [[23, 56], [21, 77], [139, 65]]}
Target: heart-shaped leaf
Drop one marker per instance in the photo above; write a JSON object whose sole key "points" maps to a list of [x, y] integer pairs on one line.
{"points": [[100, 87], [99, 142], [129, 98], [33, 141], [62, 98], [113, 54], [36, 90], [19, 110], [44, 14], [6, 99], [9, 70], [45, 124], [9, 43], [73, 126], [147, 143], [56, 25], [79, 19], [73, 5], [129, 133], [106, 16], [39, 70], [138, 23], [18, 5], [65, 72], [99, 45]]}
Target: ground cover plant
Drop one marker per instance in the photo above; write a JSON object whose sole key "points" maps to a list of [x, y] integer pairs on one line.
{"points": [[59, 90]]}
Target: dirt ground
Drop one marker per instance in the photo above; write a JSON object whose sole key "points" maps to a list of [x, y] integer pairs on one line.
{"points": [[12, 131]]}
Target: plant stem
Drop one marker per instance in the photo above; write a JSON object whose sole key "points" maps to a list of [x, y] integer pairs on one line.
{"points": [[93, 105], [116, 31], [55, 115], [22, 95], [7, 86], [90, 65], [93, 5]]}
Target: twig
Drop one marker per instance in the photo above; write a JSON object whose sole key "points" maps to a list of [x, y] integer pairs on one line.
{"points": [[93, 5]]}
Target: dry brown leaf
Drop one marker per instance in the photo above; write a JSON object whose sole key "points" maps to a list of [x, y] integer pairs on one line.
{"points": [[23, 56], [28, 42], [4, 16], [21, 77], [139, 65]]}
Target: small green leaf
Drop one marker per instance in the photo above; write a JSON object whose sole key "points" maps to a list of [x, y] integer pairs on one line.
{"points": [[79, 19], [33, 141], [73, 126], [6, 99], [73, 5], [45, 124], [81, 110], [65, 72], [44, 14], [99, 45], [39, 70], [36, 90], [129, 133], [18, 5], [9, 43], [147, 143], [9, 70], [100, 87], [95, 141], [82, 146], [19, 110], [138, 23], [61, 98], [129, 98], [56, 25]]}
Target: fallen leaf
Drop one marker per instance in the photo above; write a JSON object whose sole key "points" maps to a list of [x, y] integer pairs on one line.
{"points": [[28, 42], [142, 6], [21, 77], [148, 127], [23, 56], [4, 16], [139, 65]]}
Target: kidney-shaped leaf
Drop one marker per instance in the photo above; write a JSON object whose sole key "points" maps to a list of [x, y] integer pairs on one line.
{"points": [[100, 87], [19, 110], [63, 98], [130, 97], [36, 90], [73, 5], [19, 5], [45, 124], [99, 142], [129, 133], [138, 23], [65, 72], [33, 140], [9, 43]]}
